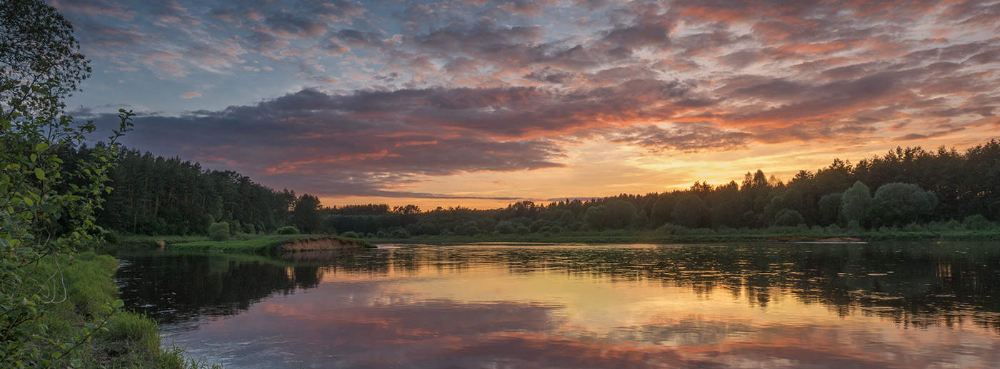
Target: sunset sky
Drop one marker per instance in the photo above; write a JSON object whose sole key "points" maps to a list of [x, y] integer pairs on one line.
{"points": [[481, 103]]}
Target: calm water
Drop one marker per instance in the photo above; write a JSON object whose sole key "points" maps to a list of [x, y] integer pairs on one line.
{"points": [[635, 306]]}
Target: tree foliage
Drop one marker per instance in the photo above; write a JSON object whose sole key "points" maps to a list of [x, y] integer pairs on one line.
{"points": [[40, 61], [900, 204], [305, 216], [854, 203], [48, 205]]}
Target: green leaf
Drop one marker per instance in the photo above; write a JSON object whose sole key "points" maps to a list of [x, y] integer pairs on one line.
{"points": [[40, 173], [41, 147]]}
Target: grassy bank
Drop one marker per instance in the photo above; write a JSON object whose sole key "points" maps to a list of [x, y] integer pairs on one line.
{"points": [[250, 244], [703, 235], [130, 341]]}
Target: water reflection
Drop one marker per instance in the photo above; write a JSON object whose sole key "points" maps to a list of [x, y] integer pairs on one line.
{"points": [[912, 305]]}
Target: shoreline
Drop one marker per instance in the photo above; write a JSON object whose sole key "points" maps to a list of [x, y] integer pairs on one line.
{"points": [[659, 238], [248, 244]]}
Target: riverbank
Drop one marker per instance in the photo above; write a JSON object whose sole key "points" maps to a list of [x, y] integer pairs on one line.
{"points": [[702, 236], [250, 244], [130, 340]]}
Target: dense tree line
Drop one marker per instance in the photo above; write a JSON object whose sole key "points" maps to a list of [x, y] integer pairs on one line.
{"points": [[158, 195], [905, 186]]}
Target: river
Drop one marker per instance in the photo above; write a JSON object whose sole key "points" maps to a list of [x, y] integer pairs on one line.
{"points": [[911, 305]]}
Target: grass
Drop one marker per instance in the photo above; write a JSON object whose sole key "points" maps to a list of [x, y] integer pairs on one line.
{"points": [[240, 243], [131, 340]]}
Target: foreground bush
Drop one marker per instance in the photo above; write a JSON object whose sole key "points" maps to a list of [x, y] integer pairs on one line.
{"points": [[287, 230]]}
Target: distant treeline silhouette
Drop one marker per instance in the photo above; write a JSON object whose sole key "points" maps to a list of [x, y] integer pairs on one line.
{"points": [[905, 186], [157, 195]]}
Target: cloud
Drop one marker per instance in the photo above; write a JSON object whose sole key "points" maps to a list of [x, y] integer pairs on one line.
{"points": [[511, 85], [683, 138], [191, 95]]}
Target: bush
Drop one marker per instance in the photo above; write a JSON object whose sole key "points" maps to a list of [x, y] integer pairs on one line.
{"points": [[468, 229], [219, 231], [671, 229], [400, 233], [504, 227], [976, 223], [287, 230], [522, 230], [538, 225], [137, 333], [112, 238], [834, 229], [350, 234], [788, 218]]}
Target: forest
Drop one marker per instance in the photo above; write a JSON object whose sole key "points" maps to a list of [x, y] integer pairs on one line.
{"points": [[904, 187]]}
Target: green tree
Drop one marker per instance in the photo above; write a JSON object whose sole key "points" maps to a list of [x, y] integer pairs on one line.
{"points": [[855, 203], [219, 231], [788, 218], [615, 214], [662, 210], [690, 211], [829, 208], [40, 60], [48, 204], [306, 214], [900, 204]]}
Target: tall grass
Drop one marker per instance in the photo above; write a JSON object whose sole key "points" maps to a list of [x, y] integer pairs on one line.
{"points": [[82, 287]]}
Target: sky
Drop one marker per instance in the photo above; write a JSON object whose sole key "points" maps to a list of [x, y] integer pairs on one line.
{"points": [[481, 103]]}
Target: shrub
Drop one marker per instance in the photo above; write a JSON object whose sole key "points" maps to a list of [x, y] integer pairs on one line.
{"points": [[504, 227], [976, 223], [788, 218], [671, 229], [136, 332], [538, 225], [523, 230], [112, 237], [834, 229], [287, 230], [953, 224], [350, 234], [219, 231], [468, 229]]}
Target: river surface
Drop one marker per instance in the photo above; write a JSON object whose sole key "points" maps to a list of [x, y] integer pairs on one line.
{"points": [[926, 305]]}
